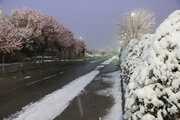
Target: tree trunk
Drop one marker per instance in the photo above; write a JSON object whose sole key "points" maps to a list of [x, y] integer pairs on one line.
{"points": [[43, 57], [69, 53], [52, 58], [52, 55], [65, 54], [3, 61], [35, 56], [60, 54], [22, 60]]}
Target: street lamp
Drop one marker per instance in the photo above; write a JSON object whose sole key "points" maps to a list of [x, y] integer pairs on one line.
{"points": [[132, 14], [132, 21], [80, 38], [0, 9]]}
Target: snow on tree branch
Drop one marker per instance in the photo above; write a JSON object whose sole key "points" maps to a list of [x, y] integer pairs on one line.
{"points": [[133, 25]]}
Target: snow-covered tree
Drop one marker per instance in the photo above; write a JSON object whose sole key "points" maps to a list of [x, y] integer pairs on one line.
{"points": [[66, 38], [79, 46], [29, 24], [153, 90], [9, 38], [39, 32], [133, 25], [51, 33], [20, 19]]}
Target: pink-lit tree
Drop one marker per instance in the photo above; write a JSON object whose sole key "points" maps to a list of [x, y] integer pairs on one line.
{"points": [[51, 32], [29, 24], [39, 32], [9, 38], [66, 40], [79, 46]]}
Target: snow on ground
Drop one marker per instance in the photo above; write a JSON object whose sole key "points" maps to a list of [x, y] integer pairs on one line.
{"points": [[62, 60], [27, 77], [8, 64], [99, 67], [71, 60], [115, 112], [47, 57], [109, 60], [95, 61], [55, 103]]}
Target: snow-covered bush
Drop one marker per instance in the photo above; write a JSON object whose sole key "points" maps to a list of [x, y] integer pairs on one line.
{"points": [[125, 59], [131, 55], [153, 90]]}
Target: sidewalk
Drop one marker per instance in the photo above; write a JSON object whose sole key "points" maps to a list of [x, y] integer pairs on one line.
{"points": [[93, 103]]}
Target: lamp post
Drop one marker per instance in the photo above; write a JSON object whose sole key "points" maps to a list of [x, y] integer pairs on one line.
{"points": [[132, 20], [0, 9]]}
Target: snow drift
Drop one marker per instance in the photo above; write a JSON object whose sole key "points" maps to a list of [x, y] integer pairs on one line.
{"points": [[151, 67]]}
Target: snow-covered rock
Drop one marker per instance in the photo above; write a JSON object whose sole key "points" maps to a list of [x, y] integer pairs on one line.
{"points": [[152, 70]]}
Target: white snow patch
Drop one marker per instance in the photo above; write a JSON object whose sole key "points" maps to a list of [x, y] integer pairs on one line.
{"points": [[9, 64], [109, 60], [72, 60], [100, 66], [55, 103], [27, 77], [95, 61], [115, 112], [107, 92]]}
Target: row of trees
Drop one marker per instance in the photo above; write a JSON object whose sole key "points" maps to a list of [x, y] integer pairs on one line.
{"points": [[28, 31]]}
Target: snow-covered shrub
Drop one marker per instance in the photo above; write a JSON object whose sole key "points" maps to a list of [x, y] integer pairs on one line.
{"points": [[125, 59], [153, 90], [131, 55]]}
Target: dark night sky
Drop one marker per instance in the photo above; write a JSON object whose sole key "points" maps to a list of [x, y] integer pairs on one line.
{"points": [[94, 20]]}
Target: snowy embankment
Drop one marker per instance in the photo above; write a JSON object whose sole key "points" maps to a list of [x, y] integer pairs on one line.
{"points": [[151, 67], [115, 112], [55, 103]]}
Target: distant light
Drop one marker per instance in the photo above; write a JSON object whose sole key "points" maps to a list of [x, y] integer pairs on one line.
{"points": [[80, 38], [132, 14]]}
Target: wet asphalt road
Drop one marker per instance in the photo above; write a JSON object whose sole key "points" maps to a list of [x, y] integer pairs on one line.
{"points": [[21, 88], [89, 105]]}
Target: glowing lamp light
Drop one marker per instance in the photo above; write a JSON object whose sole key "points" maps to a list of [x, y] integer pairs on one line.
{"points": [[132, 14]]}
